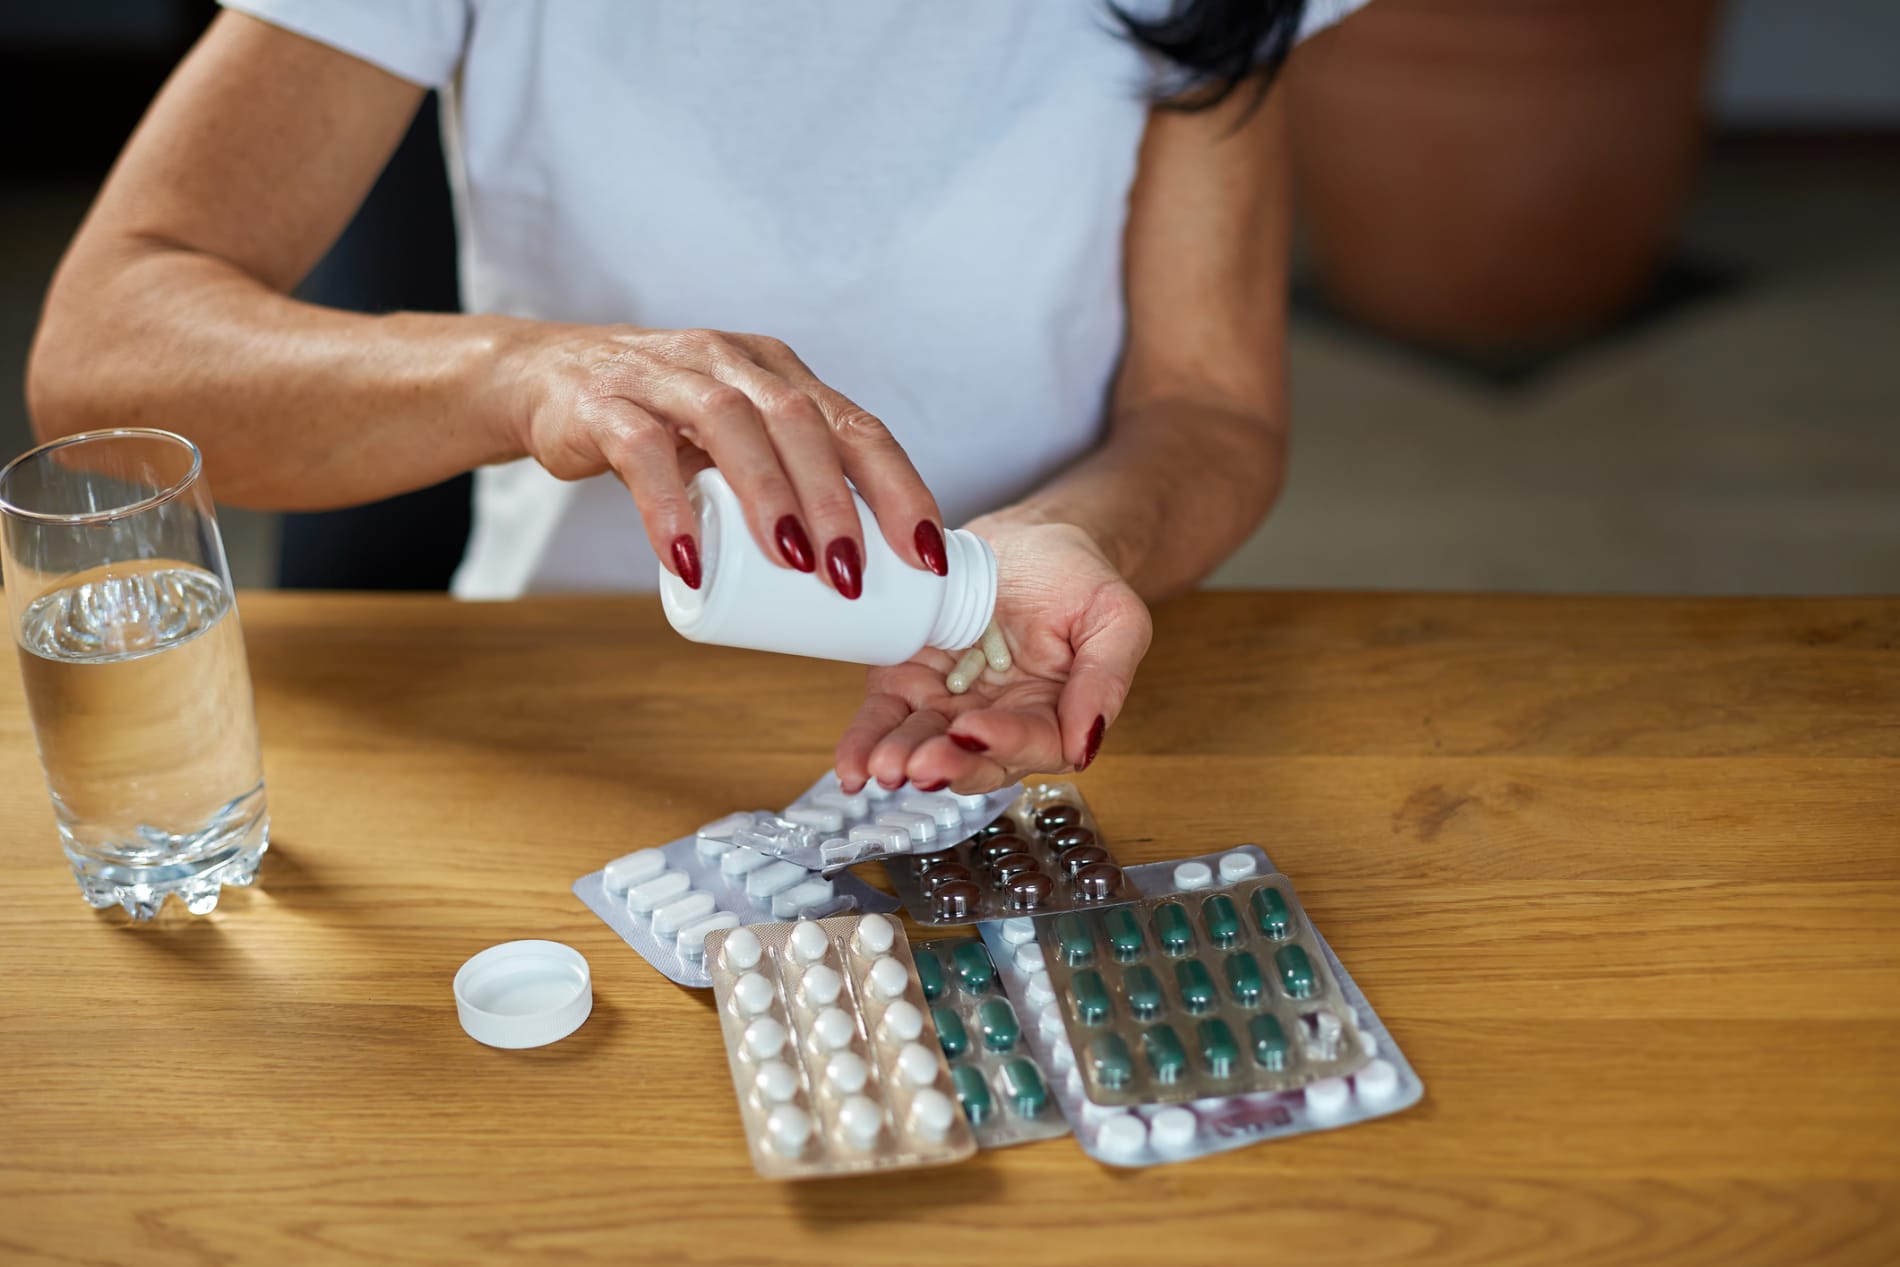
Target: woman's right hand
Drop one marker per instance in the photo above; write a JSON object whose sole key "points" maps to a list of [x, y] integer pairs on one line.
{"points": [[657, 406]]}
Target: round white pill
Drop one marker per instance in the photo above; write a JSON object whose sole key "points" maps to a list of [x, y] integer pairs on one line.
{"points": [[1061, 1055], [875, 935], [1039, 990], [1029, 957], [832, 1029], [1073, 1080], [777, 1082], [753, 993], [1377, 1081], [860, 1120], [1237, 866], [1193, 875], [1019, 930], [917, 1064], [931, 1114], [807, 942], [789, 1128], [903, 1021], [1172, 1129], [846, 1073], [886, 978], [821, 985], [1327, 1096], [764, 1038], [742, 950], [1371, 1044], [1049, 1022], [1122, 1135]]}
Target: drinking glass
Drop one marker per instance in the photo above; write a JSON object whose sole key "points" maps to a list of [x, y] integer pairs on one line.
{"points": [[121, 602]]}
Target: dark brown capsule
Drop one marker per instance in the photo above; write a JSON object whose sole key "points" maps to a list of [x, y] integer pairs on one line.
{"points": [[955, 901], [1056, 817], [1009, 866], [1071, 837], [950, 873], [1028, 891], [1001, 827], [1099, 882], [988, 851], [1074, 860]]}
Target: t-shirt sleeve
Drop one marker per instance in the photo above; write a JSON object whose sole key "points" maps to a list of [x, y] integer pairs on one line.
{"points": [[1321, 14], [418, 40]]}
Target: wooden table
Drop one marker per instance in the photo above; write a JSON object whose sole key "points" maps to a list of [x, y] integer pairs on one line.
{"points": [[1622, 876]]}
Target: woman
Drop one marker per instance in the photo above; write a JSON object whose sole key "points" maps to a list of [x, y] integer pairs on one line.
{"points": [[1008, 277]]}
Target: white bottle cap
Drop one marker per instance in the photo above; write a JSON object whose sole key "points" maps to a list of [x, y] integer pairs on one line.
{"points": [[523, 994]]}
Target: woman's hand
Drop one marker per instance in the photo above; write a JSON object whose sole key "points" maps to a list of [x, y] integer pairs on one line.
{"points": [[657, 406], [1076, 632]]}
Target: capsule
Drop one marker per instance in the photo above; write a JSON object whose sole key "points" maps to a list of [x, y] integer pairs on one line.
{"points": [[997, 1023], [1271, 914], [972, 1093], [1000, 827], [954, 902], [1167, 1059], [929, 974], [1219, 1052], [1124, 933], [1011, 865], [1243, 978], [948, 873], [1074, 942], [1172, 929], [1090, 997], [1196, 985], [1296, 971], [1076, 860], [1143, 991], [1022, 1086], [1070, 838], [1110, 1062], [974, 969], [1057, 817], [1221, 920], [951, 1036], [1269, 1041]]}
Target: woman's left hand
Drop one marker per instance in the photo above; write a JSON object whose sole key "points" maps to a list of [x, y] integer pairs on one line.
{"points": [[1076, 632]]}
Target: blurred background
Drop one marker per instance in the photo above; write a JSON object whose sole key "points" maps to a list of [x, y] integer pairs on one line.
{"points": [[1592, 295]]}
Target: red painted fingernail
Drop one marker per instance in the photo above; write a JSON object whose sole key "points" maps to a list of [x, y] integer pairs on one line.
{"points": [[1095, 741], [686, 559], [938, 786], [794, 544], [930, 548], [968, 744], [847, 572]]}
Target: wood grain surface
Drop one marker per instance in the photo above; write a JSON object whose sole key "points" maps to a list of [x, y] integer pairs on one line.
{"points": [[1622, 876]]}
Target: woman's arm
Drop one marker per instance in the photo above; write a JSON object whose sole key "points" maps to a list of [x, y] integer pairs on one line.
{"points": [[1193, 458], [171, 309]]}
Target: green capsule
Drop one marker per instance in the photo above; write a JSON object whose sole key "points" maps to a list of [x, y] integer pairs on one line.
{"points": [[1243, 978], [1022, 1087], [1124, 932], [1296, 971], [929, 973], [974, 967], [951, 1036], [1271, 914], [997, 1023], [1269, 1041], [1166, 1057], [1074, 942], [1219, 1051], [1143, 992], [1089, 994], [1220, 919], [1196, 985], [972, 1093], [1110, 1061], [1172, 929]]}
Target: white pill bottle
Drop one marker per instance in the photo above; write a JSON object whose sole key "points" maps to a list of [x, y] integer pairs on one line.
{"points": [[746, 600]]}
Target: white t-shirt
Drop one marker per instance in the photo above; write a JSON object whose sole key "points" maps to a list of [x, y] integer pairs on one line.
{"points": [[924, 199]]}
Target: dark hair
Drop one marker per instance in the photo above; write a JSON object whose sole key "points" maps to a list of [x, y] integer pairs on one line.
{"points": [[1214, 46]]}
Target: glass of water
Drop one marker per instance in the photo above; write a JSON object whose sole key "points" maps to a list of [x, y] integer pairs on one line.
{"points": [[121, 602]]}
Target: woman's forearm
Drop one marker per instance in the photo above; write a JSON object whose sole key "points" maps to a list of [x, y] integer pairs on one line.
{"points": [[1174, 489], [296, 407]]}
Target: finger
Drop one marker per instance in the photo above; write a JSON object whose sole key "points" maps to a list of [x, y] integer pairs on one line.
{"points": [[642, 453], [1100, 677], [877, 465], [937, 762], [1017, 739], [877, 717], [722, 420], [890, 760]]}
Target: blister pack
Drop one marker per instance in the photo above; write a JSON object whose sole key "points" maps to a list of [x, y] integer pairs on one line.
{"points": [[664, 901], [1002, 1089], [1153, 1133], [828, 829], [1045, 854], [834, 1057]]}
